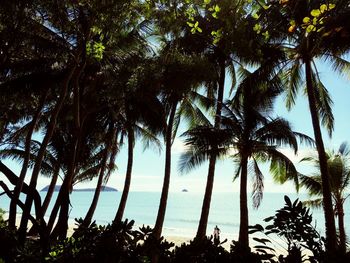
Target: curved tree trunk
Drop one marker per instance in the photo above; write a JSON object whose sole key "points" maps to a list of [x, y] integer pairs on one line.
{"points": [[326, 191], [47, 199], [243, 238], [203, 221], [40, 157], [157, 231], [11, 176], [91, 211], [63, 196], [66, 188], [54, 213], [50, 190], [19, 185], [122, 204]]}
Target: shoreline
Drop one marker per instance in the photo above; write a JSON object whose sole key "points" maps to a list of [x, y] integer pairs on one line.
{"points": [[171, 236]]}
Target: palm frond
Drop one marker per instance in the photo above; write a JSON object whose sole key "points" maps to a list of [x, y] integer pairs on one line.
{"points": [[277, 132], [191, 159], [316, 203], [294, 80], [312, 183], [232, 74], [339, 64], [258, 185], [148, 138], [344, 149], [282, 168], [324, 104]]}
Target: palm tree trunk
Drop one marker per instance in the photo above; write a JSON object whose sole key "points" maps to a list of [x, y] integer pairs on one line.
{"points": [[122, 204], [326, 191], [66, 188], [243, 200], [40, 156], [51, 189], [19, 185], [63, 196], [54, 213], [12, 178], [47, 200], [342, 236], [91, 211], [203, 221], [157, 231]]}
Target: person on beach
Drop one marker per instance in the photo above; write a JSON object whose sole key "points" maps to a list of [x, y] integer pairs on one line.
{"points": [[216, 235]]}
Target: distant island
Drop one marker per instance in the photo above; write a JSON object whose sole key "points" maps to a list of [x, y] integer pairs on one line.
{"points": [[104, 189], [184, 190]]}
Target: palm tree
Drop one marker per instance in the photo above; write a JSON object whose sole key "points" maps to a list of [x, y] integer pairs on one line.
{"points": [[253, 135], [177, 93], [306, 30], [339, 175], [105, 168]]}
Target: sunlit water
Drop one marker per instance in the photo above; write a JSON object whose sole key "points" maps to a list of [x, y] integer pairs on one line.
{"points": [[183, 210]]}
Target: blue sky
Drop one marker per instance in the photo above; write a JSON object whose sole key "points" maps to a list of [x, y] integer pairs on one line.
{"points": [[149, 165]]}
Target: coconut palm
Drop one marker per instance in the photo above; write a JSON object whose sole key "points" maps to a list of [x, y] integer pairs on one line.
{"points": [[339, 175], [178, 94], [253, 135], [306, 30]]}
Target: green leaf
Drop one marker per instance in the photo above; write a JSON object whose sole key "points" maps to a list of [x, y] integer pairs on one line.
{"points": [[255, 16], [323, 8], [306, 20], [310, 28], [266, 35], [315, 13], [217, 8], [257, 28]]}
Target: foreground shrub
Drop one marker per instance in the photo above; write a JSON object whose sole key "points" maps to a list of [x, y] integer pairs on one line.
{"points": [[201, 251]]}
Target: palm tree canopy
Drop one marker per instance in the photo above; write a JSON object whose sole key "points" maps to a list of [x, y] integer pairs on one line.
{"points": [[339, 173], [247, 129]]}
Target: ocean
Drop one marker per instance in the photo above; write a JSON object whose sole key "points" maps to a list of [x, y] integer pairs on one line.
{"points": [[183, 210]]}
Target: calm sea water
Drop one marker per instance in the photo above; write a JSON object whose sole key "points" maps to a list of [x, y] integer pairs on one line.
{"points": [[183, 210]]}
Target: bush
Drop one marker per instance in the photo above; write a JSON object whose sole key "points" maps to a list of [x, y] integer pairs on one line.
{"points": [[292, 223], [201, 251]]}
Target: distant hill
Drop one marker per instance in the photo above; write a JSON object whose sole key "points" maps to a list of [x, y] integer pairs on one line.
{"points": [[104, 189]]}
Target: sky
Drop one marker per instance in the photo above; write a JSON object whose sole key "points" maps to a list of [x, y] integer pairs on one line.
{"points": [[148, 166]]}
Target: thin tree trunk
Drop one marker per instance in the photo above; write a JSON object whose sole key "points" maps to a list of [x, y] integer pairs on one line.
{"points": [[124, 198], [91, 211], [243, 238], [39, 224], [342, 236], [47, 200], [62, 223], [19, 185], [54, 213], [51, 189], [203, 221], [157, 231], [11, 176], [63, 196], [326, 191], [40, 157]]}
